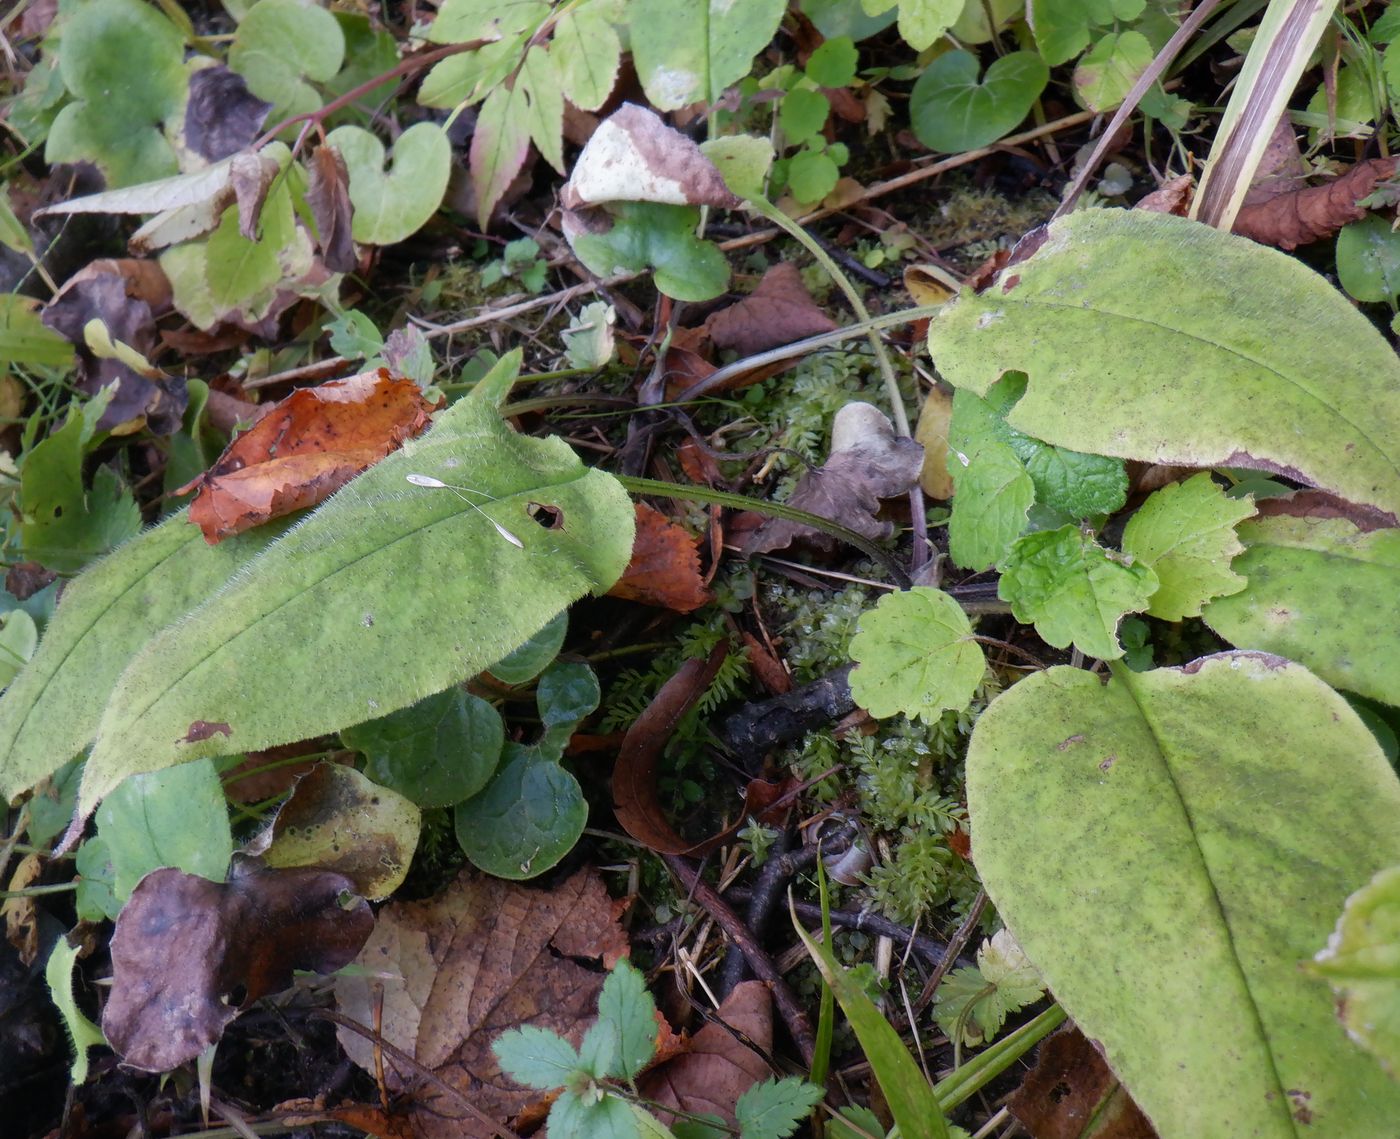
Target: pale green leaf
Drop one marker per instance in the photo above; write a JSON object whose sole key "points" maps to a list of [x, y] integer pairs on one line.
{"points": [[587, 53], [951, 109], [1362, 964], [916, 654], [166, 818], [280, 46], [12, 234], [526, 819], [923, 21], [19, 637], [743, 160], [467, 78], [437, 752], [1063, 27], [688, 53], [253, 656], [627, 1016], [82, 1033], [536, 1057], [52, 709], [1073, 590], [1320, 591], [390, 206], [833, 63], [461, 21], [660, 237], [1186, 533], [544, 104], [1368, 259], [1109, 69], [25, 339], [992, 493], [774, 1108], [812, 175], [1167, 849], [572, 1117], [499, 146], [236, 269], [123, 61], [910, 1098], [1129, 327]]}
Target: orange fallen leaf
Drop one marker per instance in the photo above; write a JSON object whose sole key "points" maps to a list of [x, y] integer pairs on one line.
{"points": [[304, 449], [665, 565], [1071, 1093]]}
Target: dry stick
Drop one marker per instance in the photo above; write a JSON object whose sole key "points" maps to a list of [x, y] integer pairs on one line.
{"points": [[955, 946], [1164, 58], [798, 1024]]}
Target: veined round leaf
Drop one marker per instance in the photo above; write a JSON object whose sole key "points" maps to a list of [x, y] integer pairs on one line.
{"points": [[530, 659], [1362, 963], [1167, 849], [951, 110], [1129, 327], [1322, 592], [661, 237], [1368, 259], [436, 752], [1186, 533], [803, 113], [526, 820], [1108, 70], [388, 592], [992, 493], [916, 655], [282, 43], [812, 175], [391, 206], [567, 692], [833, 64]]}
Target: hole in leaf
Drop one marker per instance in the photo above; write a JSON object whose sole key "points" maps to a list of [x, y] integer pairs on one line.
{"points": [[550, 517], [236, 996]]}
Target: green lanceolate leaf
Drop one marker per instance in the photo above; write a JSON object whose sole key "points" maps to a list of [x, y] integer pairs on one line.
{"points": [[124, 64], [952, 110], [1073, 590], [1186, 533], [1362, 964], [688, 53], [916, 655], [1128, 327], [51, 711], [1320, 591], [391, 591], [391, 206], [1140, 840], [499, 146]]}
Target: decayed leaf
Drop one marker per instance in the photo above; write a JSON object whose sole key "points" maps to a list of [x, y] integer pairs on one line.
{"points": [[1071, 1093], [189, 954], [1132, 813], [1129, 327], [459, 969], [1298, 217], [338, 820], [305, 449], [328, 199], [868, 462], [722, 1062], [935, 417], [779, 311], [221, 115], [665, 565]]}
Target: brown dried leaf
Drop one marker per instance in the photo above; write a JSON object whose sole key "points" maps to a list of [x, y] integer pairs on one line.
{"points": [[665, 565], [222, 116], [304, 449], [932, 434], [779, 311], [1296, 218], [1172, 197], [868, 462], [189, 954], [456, 971], [720, 1066], [328, 198], [1071, 1093], [767, 667], [20, 910]]}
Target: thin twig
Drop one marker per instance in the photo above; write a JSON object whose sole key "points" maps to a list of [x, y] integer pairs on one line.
{"points": [[950, 955]]}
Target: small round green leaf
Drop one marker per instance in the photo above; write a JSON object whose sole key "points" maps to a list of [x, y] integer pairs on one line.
{"points": [[833, 64], [803, 113], [279, 46], [812, 175], [526, 820], [951, 110], [436, 752], [1368, 259], [916, 655], [1109, 69], [568, 692], [391, 206], [530, 659]]}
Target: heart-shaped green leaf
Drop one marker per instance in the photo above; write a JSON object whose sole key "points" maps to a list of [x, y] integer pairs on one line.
{"points": [[279, 46], [391, 206], [952, 110], [687, 53], [1168, 850], [660, 237], [525, 820], [1110, 68]]}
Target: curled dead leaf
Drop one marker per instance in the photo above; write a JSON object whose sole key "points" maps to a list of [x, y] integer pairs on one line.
{"points": [[1298, 217], [189, 954], [779, 311], [665, 565]]}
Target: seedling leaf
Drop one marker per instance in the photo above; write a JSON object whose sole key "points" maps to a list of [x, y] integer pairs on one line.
{"points": [[916, 655], [82, 1033], [525, 820], [774, 1108], [536, 1057], [952, 110], [1109, 69], [627, 1013], [1134, 810]]}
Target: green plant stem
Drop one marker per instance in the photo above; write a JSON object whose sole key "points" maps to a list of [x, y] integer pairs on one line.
{"points": [[689, 493], [882, 356], [35, 891], [977, 1073]]}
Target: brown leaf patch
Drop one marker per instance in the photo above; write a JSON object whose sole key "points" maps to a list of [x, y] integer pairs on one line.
{"points": [[1172, 197], [724, 1061], [1072, 1093], [456, 971], [1298, 217], [328, 198], [189, 954], [665, 565], [304, 449], [767, 667], [779, 311]]}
